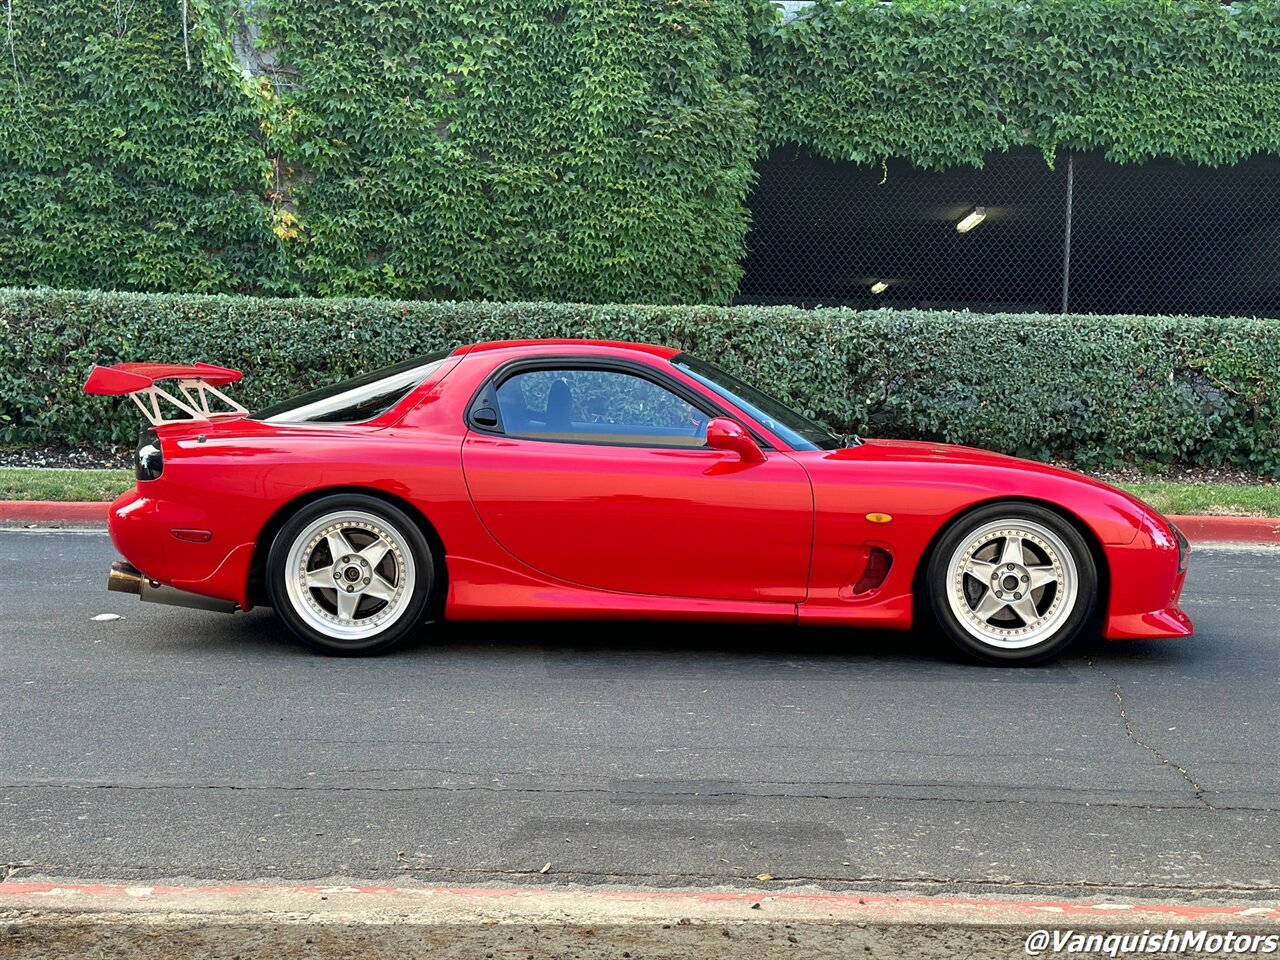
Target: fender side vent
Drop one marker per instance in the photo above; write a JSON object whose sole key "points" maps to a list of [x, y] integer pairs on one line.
{"points": [[879, 561]]}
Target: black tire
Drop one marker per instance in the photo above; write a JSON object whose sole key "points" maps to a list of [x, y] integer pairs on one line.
{"points": [[404, 576], [1009, 636]]}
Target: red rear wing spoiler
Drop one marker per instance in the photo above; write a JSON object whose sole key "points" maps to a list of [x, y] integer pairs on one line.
{"points": [[197, 384]]}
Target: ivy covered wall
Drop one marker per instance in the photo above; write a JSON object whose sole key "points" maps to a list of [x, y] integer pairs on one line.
{"points": [[555, 149], [588, 150], [944, 82], [559, 149], [119, 167]]}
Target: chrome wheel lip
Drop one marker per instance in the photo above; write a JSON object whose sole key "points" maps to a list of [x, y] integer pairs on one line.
{"points": [[397, 595], [1062, 569]]}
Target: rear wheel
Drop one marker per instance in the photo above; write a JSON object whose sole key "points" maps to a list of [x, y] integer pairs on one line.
{"points": [[1012, 583], [350, 574]]}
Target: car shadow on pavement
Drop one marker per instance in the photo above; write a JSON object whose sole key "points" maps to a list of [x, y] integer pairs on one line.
{"points": [[587, 646]]}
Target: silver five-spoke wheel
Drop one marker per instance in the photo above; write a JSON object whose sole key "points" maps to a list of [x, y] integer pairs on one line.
{"points": [[350, 574], [1012, 582]]}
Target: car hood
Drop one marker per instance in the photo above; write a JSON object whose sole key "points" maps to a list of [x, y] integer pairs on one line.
{"points": [[919, 451], [923, 451]]}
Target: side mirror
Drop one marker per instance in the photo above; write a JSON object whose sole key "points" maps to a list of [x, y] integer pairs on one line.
{"points": [[726, 434]]}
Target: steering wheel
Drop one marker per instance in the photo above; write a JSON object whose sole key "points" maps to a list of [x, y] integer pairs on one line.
{"points": [[699, 421]]}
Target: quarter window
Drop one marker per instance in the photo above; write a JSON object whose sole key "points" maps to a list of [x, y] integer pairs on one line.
{"points": [[598, 406], [356, 400]]}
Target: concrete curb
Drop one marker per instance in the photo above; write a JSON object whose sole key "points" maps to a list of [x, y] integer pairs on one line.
{"points": [[576, 905], [1229, 529], [1197, 529]]}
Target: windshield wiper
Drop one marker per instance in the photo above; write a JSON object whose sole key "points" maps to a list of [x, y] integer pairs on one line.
{"points": [[849, 440]]}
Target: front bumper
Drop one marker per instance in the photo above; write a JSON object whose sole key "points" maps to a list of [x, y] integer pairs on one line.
{"points": [[1146, 580]]}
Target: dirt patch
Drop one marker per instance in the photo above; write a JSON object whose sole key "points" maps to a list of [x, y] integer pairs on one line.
{"points": [[69, 458], [1229, 476], [61, 938]]}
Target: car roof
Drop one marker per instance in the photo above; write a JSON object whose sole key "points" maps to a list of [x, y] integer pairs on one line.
{"points": [[533, 346]]}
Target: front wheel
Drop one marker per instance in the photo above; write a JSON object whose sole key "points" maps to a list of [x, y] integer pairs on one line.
{"points": [[350, 574], [1012, 583]]}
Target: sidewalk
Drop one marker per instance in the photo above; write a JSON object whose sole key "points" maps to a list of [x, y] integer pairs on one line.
{"points": [[70, 920]]}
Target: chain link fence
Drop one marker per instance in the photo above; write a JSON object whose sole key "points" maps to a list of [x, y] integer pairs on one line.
{"points": [[1085, 236]]}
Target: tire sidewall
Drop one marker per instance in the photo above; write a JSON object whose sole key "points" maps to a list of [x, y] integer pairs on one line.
{"points": [[416, 543], [938, 583]]}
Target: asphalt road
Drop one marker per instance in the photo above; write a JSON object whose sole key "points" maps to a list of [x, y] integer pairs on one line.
{"points": [[178, 744]]}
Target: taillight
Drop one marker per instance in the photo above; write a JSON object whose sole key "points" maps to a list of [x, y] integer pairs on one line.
{"points": [[1184, 548], [148, 460]]}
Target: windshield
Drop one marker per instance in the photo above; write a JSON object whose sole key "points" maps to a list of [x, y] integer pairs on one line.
{"points": [[796, 429], [358, 399]]}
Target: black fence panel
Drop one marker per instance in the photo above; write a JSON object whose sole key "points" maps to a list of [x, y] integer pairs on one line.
{"points": [[1169, 238], [1084, 235]]}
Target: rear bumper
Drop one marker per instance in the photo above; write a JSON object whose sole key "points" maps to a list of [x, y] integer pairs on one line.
{"points": [[134, 527], [141, 527]]}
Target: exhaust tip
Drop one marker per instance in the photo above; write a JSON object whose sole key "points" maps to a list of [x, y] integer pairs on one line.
{"points": [[125, 578]]}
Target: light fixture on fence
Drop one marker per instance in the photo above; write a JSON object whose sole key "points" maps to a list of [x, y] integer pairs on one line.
{"points": [[879, 287], [971, 219]]}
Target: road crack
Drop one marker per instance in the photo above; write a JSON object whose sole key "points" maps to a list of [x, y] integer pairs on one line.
{"points": [[1118, 692]]}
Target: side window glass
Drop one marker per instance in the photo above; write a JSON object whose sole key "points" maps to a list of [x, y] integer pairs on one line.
{"points": [[597, 406]]}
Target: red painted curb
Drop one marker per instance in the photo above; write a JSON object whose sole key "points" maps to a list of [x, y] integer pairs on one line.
{"points": [[53, 511], [1197, 529], [1229, 529], [847, 904]]}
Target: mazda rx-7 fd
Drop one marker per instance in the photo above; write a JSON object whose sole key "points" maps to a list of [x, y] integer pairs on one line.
{"points": [[580, 479]]}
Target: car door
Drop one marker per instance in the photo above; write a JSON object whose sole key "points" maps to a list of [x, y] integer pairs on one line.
{"points": [[597, 473]]}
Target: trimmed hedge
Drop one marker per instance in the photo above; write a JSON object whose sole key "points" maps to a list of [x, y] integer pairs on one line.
{"points": [[1097, 390]]}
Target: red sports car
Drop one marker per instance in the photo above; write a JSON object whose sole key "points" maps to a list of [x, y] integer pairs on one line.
{"points": [[561, 479]]}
